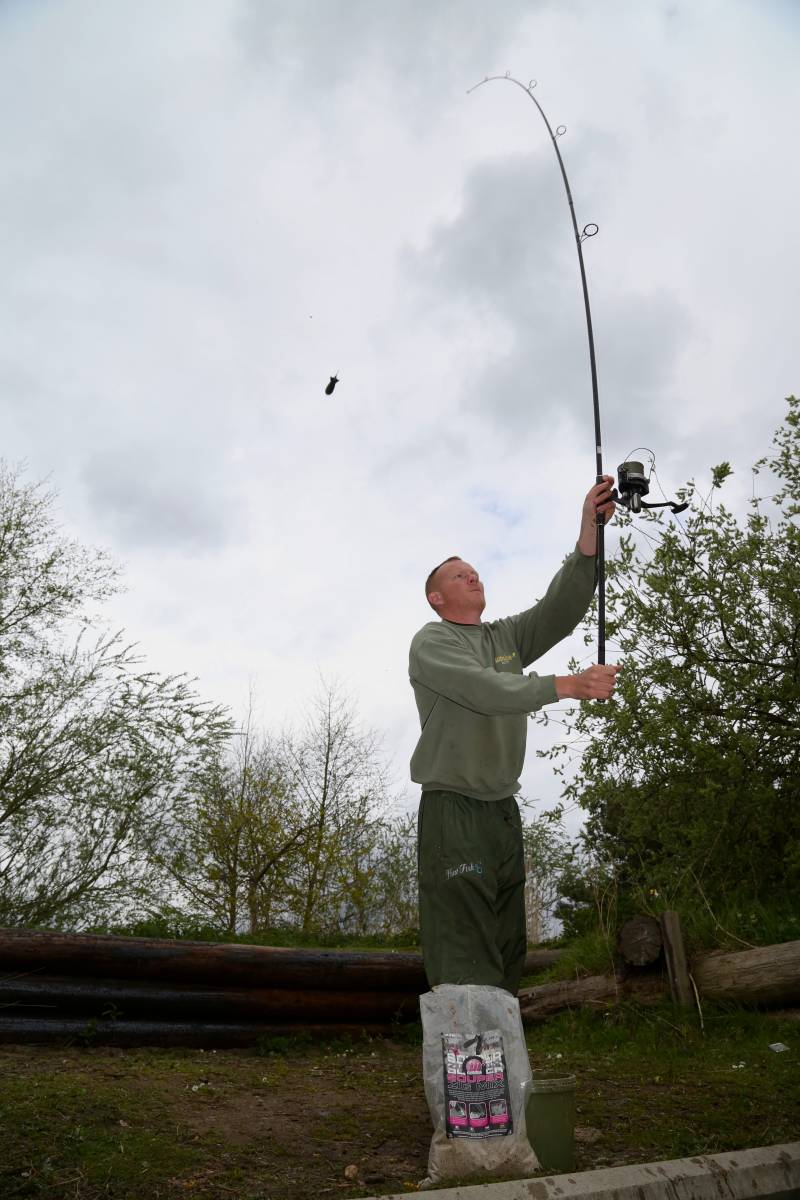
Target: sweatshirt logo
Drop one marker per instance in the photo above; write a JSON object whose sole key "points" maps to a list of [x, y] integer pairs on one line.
{"points": [[505, 658]]}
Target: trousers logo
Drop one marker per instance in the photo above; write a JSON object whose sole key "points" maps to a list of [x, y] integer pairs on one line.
{"points": [[465, 868]]}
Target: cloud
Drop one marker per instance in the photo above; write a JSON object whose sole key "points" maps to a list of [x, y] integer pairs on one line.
{"points": [[159, 496], [419, 47], [507, 260]]}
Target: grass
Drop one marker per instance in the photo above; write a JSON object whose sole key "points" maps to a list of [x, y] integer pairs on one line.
{"points": [[284, 1120], [588, 954], [654, 1086], [740, 923], [188, 928]]}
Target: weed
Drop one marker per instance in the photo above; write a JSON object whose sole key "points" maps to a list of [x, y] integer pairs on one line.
{"points": [[277, 1044]]}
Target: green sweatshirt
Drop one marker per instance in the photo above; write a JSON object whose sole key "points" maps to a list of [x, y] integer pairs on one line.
{"points": [[472, 697]]}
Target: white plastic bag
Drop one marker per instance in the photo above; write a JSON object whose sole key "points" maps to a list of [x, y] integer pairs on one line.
{"points": [[476, 1071]]}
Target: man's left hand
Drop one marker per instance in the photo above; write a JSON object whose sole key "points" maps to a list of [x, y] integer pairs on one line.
{"points": [[598, 500]]}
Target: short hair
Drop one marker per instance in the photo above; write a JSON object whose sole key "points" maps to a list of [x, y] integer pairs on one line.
{"points": [[432, 576]]}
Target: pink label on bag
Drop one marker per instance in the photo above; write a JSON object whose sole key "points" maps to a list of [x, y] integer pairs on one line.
{"points": [[477, 1099]]}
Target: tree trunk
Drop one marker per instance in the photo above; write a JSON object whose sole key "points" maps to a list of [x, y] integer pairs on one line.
{"points": [[764, 975], [252, 908], [594, 991]]}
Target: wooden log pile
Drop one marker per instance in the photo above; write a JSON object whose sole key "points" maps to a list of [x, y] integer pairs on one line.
{"points": [[130, 991], [133, 990]]}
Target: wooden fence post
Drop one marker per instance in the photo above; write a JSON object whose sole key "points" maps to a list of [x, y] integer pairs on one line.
{"points": [[675, 955]]}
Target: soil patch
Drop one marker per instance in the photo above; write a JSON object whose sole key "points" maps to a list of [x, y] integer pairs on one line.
{"points": [[351, 1120]]}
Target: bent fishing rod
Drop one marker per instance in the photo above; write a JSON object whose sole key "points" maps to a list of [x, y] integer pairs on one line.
{"points": [[633, 484]]}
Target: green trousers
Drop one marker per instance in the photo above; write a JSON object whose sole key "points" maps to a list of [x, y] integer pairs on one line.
{"points": [[471, 890]]}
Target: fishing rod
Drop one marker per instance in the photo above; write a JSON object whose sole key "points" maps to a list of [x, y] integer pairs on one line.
{"points": [[632, 481], [588, 231]]}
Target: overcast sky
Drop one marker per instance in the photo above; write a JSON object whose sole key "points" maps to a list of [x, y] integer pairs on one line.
{"points": [[208, 207]]}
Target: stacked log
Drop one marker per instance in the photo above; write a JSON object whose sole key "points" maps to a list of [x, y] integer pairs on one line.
{"points": [[130, 990], [640, 941], [763, 976], [151, 991], [591, 991]]}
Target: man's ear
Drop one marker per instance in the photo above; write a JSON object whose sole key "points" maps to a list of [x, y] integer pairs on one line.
{"points": [[435, 599]]}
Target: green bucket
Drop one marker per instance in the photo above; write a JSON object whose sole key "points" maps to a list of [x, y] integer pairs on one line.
{"points": [[550, 1118]]}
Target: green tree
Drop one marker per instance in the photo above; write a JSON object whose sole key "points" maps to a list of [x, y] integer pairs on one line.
{"points": [[341, 794], [690, 777], [237, 842], [95, 750], [377, 877], [291, 830], [395, 877], [548, 853]]}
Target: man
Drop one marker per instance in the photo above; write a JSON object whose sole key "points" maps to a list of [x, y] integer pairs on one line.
{"points": [[473, 702]]}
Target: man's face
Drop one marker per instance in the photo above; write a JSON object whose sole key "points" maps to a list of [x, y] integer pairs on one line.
{"points": [[458, 590]]}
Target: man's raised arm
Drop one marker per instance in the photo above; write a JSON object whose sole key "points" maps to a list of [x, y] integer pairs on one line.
{"points": [[570, 592]]}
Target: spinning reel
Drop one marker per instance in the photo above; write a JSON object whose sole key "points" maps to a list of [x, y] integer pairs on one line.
{"points": [[633, 485]]}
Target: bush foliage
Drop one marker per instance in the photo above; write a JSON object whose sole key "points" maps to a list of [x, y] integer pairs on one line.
{"points": [[690, 776]]}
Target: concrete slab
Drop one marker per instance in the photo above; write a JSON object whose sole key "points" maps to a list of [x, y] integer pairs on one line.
{"points": [[766, 1172]]}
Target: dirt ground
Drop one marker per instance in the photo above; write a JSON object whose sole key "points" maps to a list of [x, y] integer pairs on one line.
{"points": [[336, 1121], [345, 1120]]}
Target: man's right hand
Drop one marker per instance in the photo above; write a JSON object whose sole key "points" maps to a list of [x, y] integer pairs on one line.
{"points": [[595, 683]]}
